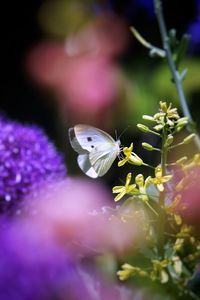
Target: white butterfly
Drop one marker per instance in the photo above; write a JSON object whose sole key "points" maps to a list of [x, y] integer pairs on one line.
{"points": [[97, 149]]}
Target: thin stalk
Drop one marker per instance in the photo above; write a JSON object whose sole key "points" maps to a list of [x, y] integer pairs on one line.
{"points": [[175, 74], [161, 219], [149, 166], [164, 151]]}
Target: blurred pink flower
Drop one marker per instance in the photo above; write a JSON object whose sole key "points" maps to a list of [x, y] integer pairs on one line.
{"points": [[83, 84], [67, 215], [89, 84], [189, 205], [46, 62], [82, 71], [105, 35]]}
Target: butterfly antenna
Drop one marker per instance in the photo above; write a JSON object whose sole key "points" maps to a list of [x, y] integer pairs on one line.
{"points": [[116, 134], [123, 131], [122, 181]]}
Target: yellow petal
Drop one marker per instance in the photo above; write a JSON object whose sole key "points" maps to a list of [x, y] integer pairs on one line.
{"points": [[158, 172], [166, 178], [120, 196], [135, 160], [118, 189], [139, 179], [132, 188], [127, 150], [164, 276], [122, 162], [128, 179], [160, 187]]}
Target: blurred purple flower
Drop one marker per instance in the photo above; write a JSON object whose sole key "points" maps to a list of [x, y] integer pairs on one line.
{"points": [[147, 5], [135, 7], [27, 159], [130, 9], [194, 282], [33, 266], [194, 31]]}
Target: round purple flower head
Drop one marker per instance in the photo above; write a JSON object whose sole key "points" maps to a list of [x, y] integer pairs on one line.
{"points": [[27, 159]]}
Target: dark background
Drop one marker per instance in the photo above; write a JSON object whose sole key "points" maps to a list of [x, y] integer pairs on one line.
{"points": [[19, 98]]}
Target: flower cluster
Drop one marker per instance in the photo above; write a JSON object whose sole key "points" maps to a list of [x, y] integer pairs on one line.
{"points": [[172, 247], [27, 159]]}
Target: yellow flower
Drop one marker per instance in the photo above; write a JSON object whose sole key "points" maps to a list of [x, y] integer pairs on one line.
{"points": [[130, 157], [170, 112], [166, 115], [159, 271], [128, 271], [159, 179], [125, 189], [142, 185], [177, 264]]}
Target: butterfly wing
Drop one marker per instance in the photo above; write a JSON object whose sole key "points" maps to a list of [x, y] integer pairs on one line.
{"points": [[85, 165], [90, 137], [74, 142], [97, 149], [102, 157]]}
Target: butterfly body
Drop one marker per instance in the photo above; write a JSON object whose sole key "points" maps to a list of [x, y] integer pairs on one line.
{"points": [[97, 149]]}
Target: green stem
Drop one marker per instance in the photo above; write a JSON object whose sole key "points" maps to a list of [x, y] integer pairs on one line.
{"points": [[164, 151], [175, 74], [149, 166], [151, 208], [161, 219]]}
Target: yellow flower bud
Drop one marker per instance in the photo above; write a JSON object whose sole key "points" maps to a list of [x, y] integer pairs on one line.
{"points": [[139, 180], [181, 160], [147, 146], [126, 272], [143, 128], [158, 127], [159, 116], [169, 140], [170, 122], [189, 138], [163, 106], [148, 118], [182, 121], [135, 160]]}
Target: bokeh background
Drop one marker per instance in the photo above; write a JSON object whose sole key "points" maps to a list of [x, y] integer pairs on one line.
{"points": [[66, 62]]}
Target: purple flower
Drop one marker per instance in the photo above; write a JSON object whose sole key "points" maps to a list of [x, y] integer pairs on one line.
{"points": [[136, 7], [130, 9], [27, 159], [34, 267], [194, 31]]}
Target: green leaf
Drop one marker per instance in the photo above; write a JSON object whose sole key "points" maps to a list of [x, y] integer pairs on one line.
{"points": [[148, 253], [181, 50], [172, 272], [169, 251]]}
